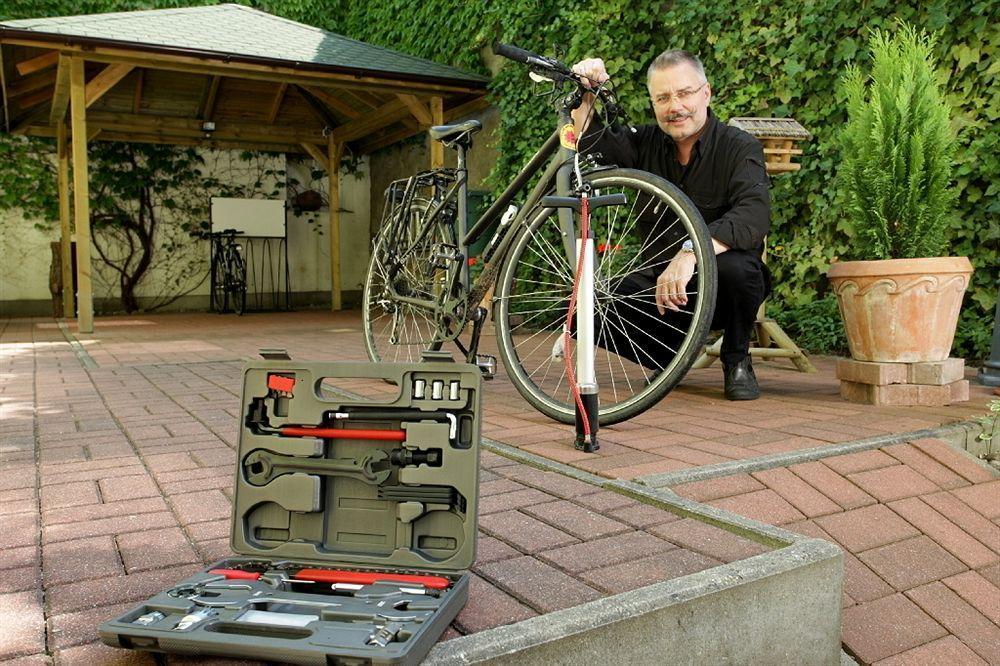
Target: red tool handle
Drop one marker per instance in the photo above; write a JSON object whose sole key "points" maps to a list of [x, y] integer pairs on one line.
{"points": [[236, 574], [370, 577], [343, 433]]}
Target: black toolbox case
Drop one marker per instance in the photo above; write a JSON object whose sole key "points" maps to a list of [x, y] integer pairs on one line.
{"points": [[353, 521]]}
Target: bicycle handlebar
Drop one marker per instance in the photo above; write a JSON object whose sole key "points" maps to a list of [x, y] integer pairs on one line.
{"points": [[552, 66]]}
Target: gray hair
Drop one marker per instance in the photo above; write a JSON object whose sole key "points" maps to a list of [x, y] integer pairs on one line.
{"points": [[676, 57]]}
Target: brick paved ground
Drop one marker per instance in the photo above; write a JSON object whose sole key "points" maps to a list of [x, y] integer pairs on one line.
{"points": [[117, 472]]}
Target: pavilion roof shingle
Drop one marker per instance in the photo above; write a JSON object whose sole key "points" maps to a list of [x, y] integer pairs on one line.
{"points": [[240, 32]]}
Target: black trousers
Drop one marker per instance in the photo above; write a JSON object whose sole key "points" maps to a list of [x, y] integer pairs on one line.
{"points": [[632, 327]]}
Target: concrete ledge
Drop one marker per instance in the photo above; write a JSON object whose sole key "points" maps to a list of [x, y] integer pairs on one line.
{"points": [[780, 607]]}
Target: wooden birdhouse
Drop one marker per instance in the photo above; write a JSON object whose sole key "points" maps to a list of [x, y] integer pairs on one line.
{"points": [[781, 138]]}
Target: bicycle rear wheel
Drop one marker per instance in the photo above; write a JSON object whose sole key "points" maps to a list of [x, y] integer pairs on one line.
{"points": [[640, 358], [237, 285], [219, 288], [403, 260]]}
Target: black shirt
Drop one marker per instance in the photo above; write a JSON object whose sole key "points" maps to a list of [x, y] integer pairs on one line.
{"points": [[725, 177]]}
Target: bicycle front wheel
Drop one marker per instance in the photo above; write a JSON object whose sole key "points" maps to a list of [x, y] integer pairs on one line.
{"points": [[640, 355], [238, 283], [403, 262]]}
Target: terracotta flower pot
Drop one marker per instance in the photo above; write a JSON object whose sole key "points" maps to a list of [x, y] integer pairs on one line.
{"points": [[901, 310]]}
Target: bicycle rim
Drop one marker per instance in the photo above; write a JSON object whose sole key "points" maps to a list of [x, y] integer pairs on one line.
{"points": [[632, 240], [394, 331]]}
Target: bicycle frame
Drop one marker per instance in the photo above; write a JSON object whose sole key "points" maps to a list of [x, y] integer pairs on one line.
{"points": [[559, 169]]}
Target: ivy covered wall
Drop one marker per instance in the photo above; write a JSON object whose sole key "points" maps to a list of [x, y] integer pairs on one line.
{"points": [[780, 58]]}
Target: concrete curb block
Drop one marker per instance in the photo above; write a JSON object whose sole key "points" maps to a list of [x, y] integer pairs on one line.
{"points": [[86, 360], [783, 606], [954, 434]]}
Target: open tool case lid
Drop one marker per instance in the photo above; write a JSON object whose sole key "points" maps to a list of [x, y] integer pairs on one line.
{"points": [[326, 476]]}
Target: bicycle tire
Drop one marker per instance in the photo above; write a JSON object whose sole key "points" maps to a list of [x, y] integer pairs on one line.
{"points": [[518, 326], [398, 332], [218, 286], [237, 283]]}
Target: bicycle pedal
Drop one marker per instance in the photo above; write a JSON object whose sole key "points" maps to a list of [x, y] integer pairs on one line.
{"points": [[487, 365]]}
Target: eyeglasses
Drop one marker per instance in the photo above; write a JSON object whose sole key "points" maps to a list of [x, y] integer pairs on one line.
{"points": [[681, 95]]}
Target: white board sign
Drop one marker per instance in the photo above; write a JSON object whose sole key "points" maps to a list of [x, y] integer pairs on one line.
{"points": [[250, 217]]}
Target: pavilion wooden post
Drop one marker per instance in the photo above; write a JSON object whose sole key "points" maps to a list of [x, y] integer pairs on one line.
{"points": [[437, 117], [81, 196], [65, 240], [335, 151]]}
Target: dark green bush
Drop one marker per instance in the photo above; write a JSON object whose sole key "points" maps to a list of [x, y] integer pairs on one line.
{"points": [[816, 326]]}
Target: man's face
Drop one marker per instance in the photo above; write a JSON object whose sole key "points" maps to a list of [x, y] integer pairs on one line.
{"points": [[680, 100]]}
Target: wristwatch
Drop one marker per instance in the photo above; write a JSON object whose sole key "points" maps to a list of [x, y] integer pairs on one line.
{"points": [[687, 246]]}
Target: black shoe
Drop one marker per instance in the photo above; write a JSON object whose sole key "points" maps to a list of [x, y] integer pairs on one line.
{"points": [[741, 383]]}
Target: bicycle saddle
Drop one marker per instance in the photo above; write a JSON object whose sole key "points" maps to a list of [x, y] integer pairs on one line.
{"points": [[449, 133]]}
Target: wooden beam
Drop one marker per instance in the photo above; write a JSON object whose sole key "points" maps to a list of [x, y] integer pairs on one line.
{"points": [[38, 63], [165, 138], [81, 195], [418, 109], [387, 114], [317, 155], [30, 84], [204, 65], [466, 108], [279, 96], [191, 127], [140, 79], [335, 150], [60, 98], [34, 99], [207, 108], [437, 148], [334, 102], [377, 143], [65, 239], [106, 80]]}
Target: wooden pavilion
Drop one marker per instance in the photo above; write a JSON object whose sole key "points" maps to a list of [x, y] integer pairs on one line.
{"points": [[223, 76]]}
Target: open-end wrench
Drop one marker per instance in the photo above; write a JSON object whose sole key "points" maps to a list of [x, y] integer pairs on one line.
{"points": [[262, 466]]}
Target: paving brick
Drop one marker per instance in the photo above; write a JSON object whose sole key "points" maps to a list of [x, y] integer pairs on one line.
{"points": [[214, 549], [908, 564], [864, 372], [763, 505], [865, 528], [992, 574], [978, 592], [511, 501], [859, 461], [936, 372], [99, 653], [861, 584], [959, 462], [831, 484], [649, 570], [961, 619], [128, 487], [32, 660], [541, 586], [708, 540], [947, 651], [797, 492], [215, 529], [489, 607], [605, 501], [107, 526], [892, 483], [22, 556], [69, 494], [945, 533], [169, 462], [76, 514], [966, 518], [79, 628], [92, 470], [886, 627], [982, 497], [202, 506], [20, 579], [605, 552], [80, 559], [723, 486], [499, 486], [19, 529], [489, 549], [576, 520], [23, 624], [155, 549], [926, 466], [80, 595], [525, 533], [642, 516]]}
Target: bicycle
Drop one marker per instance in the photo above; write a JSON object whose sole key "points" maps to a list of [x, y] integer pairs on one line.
{"points": [[418, 294], [228, 272]]}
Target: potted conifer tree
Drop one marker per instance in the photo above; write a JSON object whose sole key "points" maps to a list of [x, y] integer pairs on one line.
{"points": [[900, 299]]}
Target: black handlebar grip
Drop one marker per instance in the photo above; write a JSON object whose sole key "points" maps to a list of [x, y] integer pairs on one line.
{"points": [[514, 53]]}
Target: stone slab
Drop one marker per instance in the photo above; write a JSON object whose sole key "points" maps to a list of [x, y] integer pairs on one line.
{"points": [[924, 395], [936, 372], [866, 372]]}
